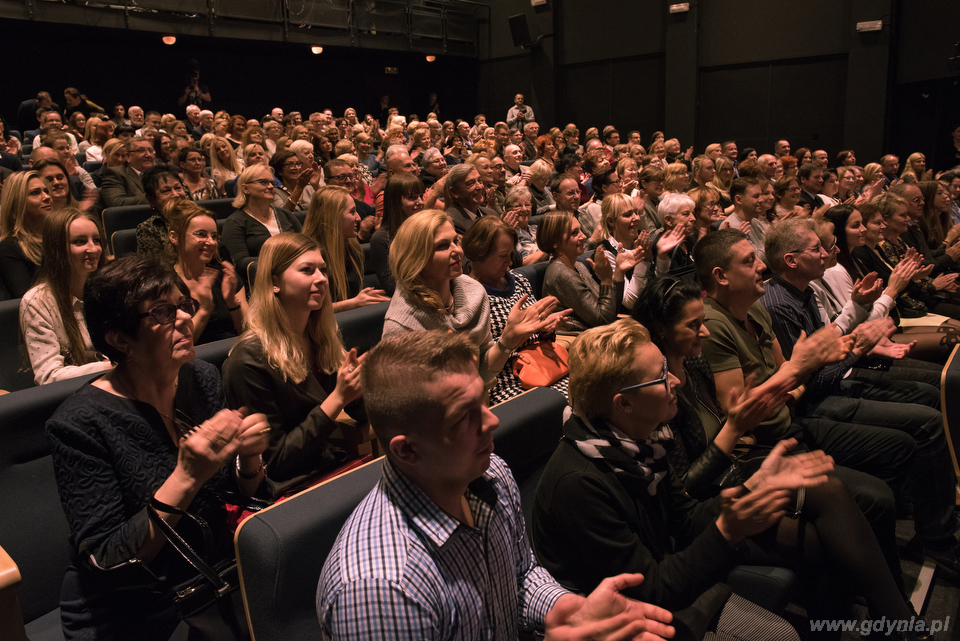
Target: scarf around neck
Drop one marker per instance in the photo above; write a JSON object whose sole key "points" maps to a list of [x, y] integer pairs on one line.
{"points": [[617, 452]]}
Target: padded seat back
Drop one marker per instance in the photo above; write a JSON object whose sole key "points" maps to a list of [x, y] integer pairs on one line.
{"points": [[221, 207], [216, 352], [124, 241], [33, 529], [281, 551], [92, 165], [534, 273], [362, 327], [530, 429], [15, 374], [126, 217]]}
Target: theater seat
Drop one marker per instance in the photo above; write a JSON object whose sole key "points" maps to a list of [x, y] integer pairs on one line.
{"points": [[281, 551], [92, 165], [221, 207], [124, 241], [33, 529], [126, 217], [216, 352], [15, 373], [362, 327], [534, 273]]}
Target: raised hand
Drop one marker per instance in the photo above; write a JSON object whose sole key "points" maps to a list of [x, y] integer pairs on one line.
{"points": [[670, 240], [208, 446], [601, 266], [523, 322], [348, 377], [754, 405], [823, 347], [782, 472], [867, 290]]}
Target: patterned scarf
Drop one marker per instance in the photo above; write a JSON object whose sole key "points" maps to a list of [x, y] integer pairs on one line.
{"points": [[619, 453]]}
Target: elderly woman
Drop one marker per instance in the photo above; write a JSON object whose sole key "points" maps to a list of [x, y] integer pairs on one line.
{"points": [[433, 293], [546, 151], [291, 365], [488, 245], [199, 187], [607, 500], [256, 217], [434, 167], [672, 246], [519, 203], [571, 282], [539, 178], [150, 436], [295, 189], [651, 181], [786, 191], [706, 210]]}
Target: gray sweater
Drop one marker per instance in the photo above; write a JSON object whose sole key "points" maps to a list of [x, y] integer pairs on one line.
{"points": [[471, 316], [592, 304]]}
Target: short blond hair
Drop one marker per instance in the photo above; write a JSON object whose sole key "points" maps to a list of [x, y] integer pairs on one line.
{"points": [[611, 208], [603, 361]]}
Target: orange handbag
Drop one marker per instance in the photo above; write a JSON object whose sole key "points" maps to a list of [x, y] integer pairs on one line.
{"points": [[541, 364]]}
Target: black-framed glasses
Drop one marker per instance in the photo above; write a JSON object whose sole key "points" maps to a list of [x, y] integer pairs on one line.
{"points": [[663, 379], [263, 182], [341, 178], [166, 313]]}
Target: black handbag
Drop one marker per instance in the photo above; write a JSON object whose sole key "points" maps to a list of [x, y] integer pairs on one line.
{"points": [[212, 598]]}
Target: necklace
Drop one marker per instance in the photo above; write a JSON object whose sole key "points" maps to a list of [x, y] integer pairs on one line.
{"points": [[128, 392]]}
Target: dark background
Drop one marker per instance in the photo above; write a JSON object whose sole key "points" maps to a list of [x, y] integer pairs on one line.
{"points": [[751, 70]]}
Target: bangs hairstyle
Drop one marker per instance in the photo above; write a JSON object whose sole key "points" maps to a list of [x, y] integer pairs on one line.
{"points": [[411, 252], [393, 405], [612, 207], [267, 319], [179, 214], [113, 296], [661, 306], [553, 228], [481, 239], [602, 361], [55, 272], [399, 186], [324, 224], [13, 208]]}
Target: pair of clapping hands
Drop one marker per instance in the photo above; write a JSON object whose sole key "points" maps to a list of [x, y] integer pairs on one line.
{"points": [[225, 435]]}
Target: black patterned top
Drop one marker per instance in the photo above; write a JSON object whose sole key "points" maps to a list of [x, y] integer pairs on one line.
{"points": [[501, 302], [110, 456]]}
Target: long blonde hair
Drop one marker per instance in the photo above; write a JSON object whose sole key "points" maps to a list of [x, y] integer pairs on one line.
{"points": [[13, 207], [216, 165], [411, 252], [267, 320], [324, 224]]}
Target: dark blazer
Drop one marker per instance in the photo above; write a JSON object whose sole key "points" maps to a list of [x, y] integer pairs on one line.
{"points": [[121, 187], [10, 161], [299, 441], [16, 270], [461, 219], [589, 524], [243, 236], [807, 199], [915, 237]]}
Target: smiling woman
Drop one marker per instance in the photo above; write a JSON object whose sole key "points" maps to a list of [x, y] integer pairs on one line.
{"points": [[432, 293], [290, 363], [51, 313], [25, 204]]}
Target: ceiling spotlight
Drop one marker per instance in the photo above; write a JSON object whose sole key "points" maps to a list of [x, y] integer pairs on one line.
{"points": [[169, 40], [316, 50], [431, 58]]}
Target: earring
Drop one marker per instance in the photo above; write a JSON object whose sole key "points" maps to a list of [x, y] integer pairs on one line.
{"points": [[276, 290]]}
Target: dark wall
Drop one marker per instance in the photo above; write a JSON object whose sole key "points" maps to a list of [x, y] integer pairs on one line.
{"points": [[244, 76]]}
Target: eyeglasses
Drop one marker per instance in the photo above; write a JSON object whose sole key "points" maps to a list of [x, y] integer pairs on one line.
{"points": [[291, 165], [341, 178], [167, 312], [203, 234], [831, 249], [662, 379], [263, 182], [816, 249]]}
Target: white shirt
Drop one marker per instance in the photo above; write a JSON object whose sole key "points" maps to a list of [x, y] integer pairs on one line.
{"points": [[841, 283], [46, 338]]}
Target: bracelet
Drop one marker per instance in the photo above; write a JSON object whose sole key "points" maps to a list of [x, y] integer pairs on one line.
{"points": [[233, 309], [252, 475], [503, 348]]}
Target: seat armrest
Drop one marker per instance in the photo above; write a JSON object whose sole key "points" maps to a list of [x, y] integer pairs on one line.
{"points": [[11, 617]]}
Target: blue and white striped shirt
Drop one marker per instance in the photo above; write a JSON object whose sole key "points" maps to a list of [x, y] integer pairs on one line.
{"points": [[402, 568]]}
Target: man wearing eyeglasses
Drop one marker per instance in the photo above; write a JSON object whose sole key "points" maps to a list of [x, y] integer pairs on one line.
{"points": [[742, 346], [340, 173], [896, 400], [122, 185], [943, 258]]}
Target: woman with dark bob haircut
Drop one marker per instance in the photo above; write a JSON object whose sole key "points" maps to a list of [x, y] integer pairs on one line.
{"points": [[152, 431]]}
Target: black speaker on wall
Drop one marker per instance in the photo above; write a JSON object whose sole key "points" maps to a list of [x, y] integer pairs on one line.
{"points": [[520, 31]]}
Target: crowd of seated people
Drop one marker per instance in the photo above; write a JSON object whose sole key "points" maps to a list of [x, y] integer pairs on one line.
{"points": [[830, 305]]}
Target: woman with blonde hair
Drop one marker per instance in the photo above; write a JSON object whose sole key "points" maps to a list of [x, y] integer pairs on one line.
{"points": [[704, 171], [51, 312], [432, 293], [256, 218], [676, 178], [870, 172], [722, 180], [24, 205], [290, 364], [224, 165], [254, 154], [332, 222], [620, 225], [916, 166], [539, 177], [194, 247]]}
